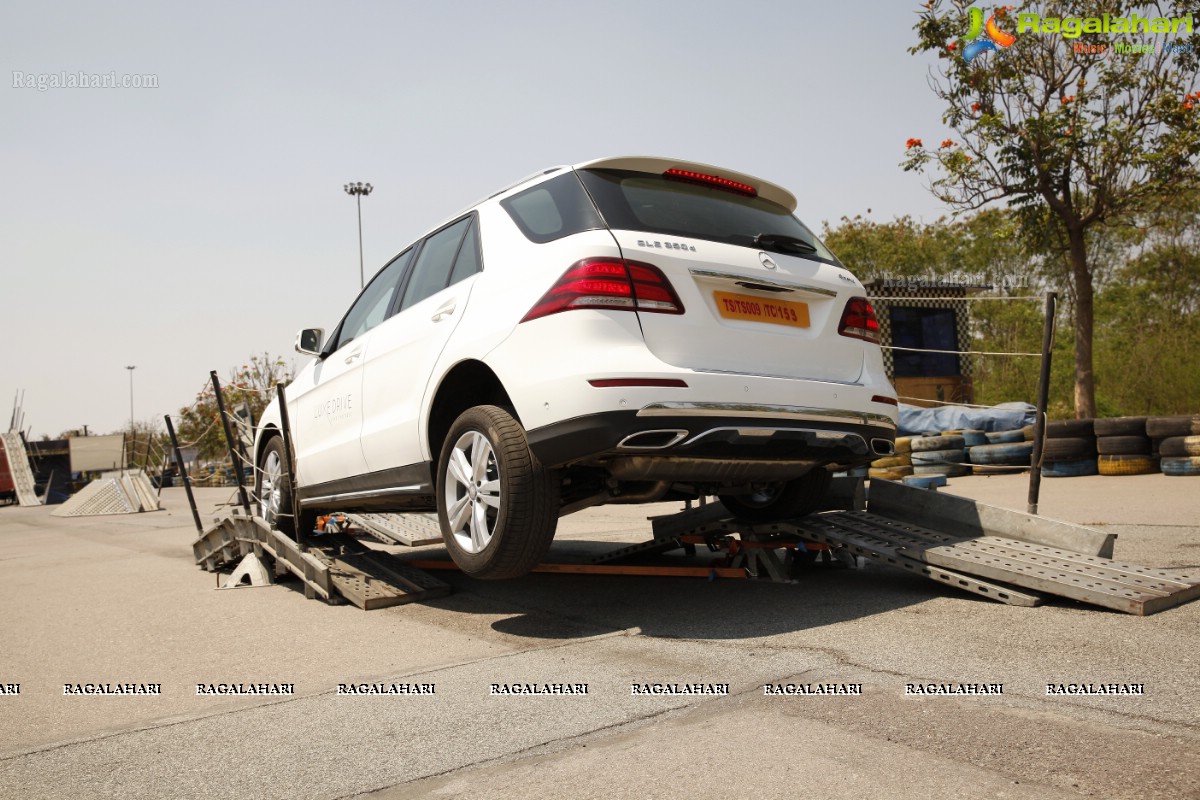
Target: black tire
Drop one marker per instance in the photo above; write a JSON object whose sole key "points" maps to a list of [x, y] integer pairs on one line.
{"points": [[949, 456], [1069, 448], [1123, 446], [1070, 469], [778, 501], [1006, 437], [1062, 428], [504, 530], [1182, 425], [1180, 446], [1120, 426], [273, 493], [1009, 454]]}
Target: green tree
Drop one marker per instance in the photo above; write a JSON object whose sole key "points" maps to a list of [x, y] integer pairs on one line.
{"points": [[252, 385], [1073, 140]]}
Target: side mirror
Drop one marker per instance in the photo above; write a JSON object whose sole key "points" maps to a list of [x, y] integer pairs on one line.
{"points": [[309, 341]]}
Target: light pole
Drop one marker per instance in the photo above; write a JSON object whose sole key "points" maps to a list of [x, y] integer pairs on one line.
{"points": [[359, 190], [131, 439]]}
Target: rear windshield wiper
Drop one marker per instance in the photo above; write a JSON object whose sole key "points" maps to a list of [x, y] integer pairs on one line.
{"points": [[783, 243]]}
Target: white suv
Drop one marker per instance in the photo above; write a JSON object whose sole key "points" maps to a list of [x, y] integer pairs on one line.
{"points": [[626, 330]]}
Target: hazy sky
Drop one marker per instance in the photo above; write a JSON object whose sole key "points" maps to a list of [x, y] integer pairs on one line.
{"points": [[184, 227]]}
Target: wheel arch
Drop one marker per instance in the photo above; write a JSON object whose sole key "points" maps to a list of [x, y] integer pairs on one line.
{"points": [[467, 384]]}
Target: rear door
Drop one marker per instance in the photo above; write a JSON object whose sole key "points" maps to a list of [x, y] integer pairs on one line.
{"points": [[402, 354], [748, 309]]}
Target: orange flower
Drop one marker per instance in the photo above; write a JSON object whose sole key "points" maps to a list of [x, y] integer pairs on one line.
{"points": [[911, 143], [948, 143], [1189, 105], [1068, 98], [952, 46], [975, 107]]}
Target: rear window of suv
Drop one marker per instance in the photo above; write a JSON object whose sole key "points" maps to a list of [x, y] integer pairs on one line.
{"points": [[640, 201]]}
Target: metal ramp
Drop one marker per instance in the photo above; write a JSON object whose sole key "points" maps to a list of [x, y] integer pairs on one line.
{"points": [[130, 494], [1004, 555], [408, 530], [18, 465], [333, 567]]}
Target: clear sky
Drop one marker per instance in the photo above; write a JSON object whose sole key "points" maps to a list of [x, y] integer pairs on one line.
{"points": [[184, 227]]}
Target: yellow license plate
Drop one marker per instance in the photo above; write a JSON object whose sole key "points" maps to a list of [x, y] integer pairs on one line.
{"points": [[759, 309]]}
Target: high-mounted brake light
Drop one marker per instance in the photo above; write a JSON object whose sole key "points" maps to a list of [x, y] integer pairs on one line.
{"points": [[714, 181], [859, 321], [610, 283]]}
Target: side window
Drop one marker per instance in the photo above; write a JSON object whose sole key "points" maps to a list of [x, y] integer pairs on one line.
{"points": [[372, 305], [551, 210], [467, 263], [431, 273]]}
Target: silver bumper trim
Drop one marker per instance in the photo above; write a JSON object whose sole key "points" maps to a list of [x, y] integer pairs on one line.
{"points": [[840, 415]]}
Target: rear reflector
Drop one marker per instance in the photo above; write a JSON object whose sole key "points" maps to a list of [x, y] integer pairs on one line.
{"points": [[604, 383], [891, 401], [714, 181], [610, 283], [859, 321]]}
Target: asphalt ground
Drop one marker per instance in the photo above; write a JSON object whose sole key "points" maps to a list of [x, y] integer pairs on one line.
{"points": [[118, 599]]}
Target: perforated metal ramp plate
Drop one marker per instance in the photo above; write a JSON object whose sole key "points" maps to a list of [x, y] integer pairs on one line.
{"points": [[100, 497], [409, 530], [371, 579], [1099, 581], [18, 465]]}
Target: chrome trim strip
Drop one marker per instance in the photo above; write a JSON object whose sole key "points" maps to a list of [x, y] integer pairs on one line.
{"points": [[735, 277], [680, 435], [417, 489], [771, 431], [686, 409], [709, 371]]}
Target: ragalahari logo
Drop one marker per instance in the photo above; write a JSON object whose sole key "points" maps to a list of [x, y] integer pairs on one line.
{"points": [[984, 36]]}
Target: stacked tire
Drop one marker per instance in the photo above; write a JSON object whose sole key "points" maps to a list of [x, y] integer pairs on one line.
{"points": [[1177, 442], [894, 467], [1003, 451], [1070, 449], [940, 455], [1123, 447]]}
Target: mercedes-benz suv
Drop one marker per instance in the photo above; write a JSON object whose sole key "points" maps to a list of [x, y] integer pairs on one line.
{"points": [[627, 330]]}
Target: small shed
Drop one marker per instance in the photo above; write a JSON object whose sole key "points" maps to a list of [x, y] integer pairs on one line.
{"points": [[924, 325]]}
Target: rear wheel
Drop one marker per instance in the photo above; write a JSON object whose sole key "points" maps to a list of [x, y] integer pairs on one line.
{"points": [[498, 506], [768, 502]]}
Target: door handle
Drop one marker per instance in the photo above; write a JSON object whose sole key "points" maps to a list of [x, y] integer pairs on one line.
{"points": [[350, 358], [446, 310]]}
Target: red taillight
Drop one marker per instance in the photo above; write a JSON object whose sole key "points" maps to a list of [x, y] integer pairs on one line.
{"points": [[889, 401], [713, 181], [609, 283], [859, 321]]}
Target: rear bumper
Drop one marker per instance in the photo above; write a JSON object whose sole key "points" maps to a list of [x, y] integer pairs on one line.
{"points": [[715, 441]]}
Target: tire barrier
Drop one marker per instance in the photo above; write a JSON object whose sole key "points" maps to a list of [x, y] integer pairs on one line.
{"points": [[1006, 437]]}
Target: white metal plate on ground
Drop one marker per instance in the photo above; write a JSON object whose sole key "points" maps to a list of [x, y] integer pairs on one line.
{"points": [[1099, 581], [18, 466], [410, 530], [128, 495]]}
